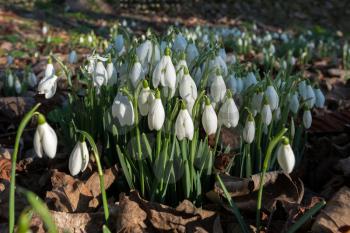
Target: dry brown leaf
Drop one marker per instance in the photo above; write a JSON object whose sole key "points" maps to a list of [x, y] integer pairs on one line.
{"points": [[13, 107], [336, 215], [139, 215], [69, 194], [278, 186]]}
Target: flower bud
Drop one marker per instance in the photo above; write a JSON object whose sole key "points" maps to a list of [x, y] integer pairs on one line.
{"points": [[228, 113], [209, 118], [45, 139], [156, 115], [79, 158], [249, 130], [307, 119], [272, 97], [184, 125], [285, 156], [218, 88], [320, 99]]}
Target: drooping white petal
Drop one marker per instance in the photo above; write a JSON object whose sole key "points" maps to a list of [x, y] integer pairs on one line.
{"points": [[37, 144], [75, 160], [111, 74], [209, 120], [266, 114], [123, 109], [136, 74], [184, 125], [286, 158], [156, 115], [249, 131], [48, 86], [145, 100], [272, 96], [228, 114], [49, 70], [307, 119], [320, 99]]}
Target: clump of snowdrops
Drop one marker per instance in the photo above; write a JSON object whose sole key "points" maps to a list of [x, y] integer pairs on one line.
{"points": [[156, 103]]}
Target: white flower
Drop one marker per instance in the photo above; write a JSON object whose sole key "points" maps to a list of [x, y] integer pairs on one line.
{"points": [[147, 54], [10, 80], [272, 97], [184, 125], [136, 74], [180, 43], [266, 114], [72, 57], [187, 86], [100, 75], [190, 102], [18, 86], [48, 86], [112, 75], [32, 80], [222, 54], [228, 113], [119, 44], [232, 83], [123, 109], [218, 62], [156, 115], [90, 68], [79, 158], [180, 70], [249, 130], [294, 103], [307, 119], [209, 118], [302, 89], [164, 74], [257, 100], [45, 139], [191, 53], [145, 99], [44, 30], [250, 80], [285, 157], [49, 70], [310, 96], [218, 88], [320, 99]]}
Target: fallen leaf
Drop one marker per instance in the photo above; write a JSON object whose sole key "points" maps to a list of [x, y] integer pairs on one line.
{"points": [[336, 214], [139, 215]]}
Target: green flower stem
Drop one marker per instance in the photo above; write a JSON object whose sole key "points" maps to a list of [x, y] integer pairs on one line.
{"points": [[248, 164], [306, 216], [187, 181], [233, 206], [99, 170], [270, 148], [259, 131], [158, 143], [26, 119]]}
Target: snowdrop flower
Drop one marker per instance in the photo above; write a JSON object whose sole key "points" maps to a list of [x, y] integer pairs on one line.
{"points": [[240, 85], [45, 139], [72, 57], [79, 158], [294, 103], [249, 129], [10, 80], [145, 99], [272, 97], [218, 88], [232, 83], [222, 54], [320, 99], [180, 43], [100, 75], [209, 118], [112, 75], [136, 73], [307, 119], [184, 125], [266, 114], [123, 109], [191, 53], [44, 30], [218, 62], [156, 115], [92, 61], [9, 60], [180, 67], [228, 113], [277, 114], [310, 97], [48, 86], [250, 80], [285, 156], [49, 70], [190, 102], [18, 86], [187, 86], [148, 53], [119, 44], [302, 89], [257, 101], [32, 80], [164, 74]]}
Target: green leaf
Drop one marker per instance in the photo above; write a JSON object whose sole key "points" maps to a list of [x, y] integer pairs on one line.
{"points": [[105, 229], [41, 209], [126, 171]]}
